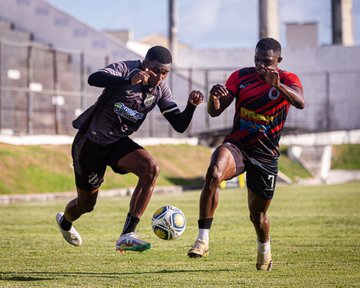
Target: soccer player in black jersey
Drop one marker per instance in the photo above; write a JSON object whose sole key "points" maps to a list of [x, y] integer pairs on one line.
{"points": [[131, 90], [263, 95]]}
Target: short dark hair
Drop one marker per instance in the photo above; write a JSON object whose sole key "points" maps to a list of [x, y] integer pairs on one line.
{"points": [[159, 53], [269, 44]]}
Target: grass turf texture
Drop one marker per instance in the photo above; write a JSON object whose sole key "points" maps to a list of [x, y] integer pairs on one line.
{"points": [[315, 243]]}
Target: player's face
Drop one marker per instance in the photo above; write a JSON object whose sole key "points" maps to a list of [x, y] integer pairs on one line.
{"points": [[161, 71], [264, 59]]}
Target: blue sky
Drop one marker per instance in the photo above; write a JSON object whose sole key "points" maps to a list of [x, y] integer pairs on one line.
{"points": [[203, 23]]}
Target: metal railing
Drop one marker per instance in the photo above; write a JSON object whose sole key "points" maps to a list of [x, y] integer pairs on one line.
{"points": [[43, 89]]}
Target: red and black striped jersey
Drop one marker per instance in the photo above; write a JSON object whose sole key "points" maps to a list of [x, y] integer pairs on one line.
{"points": [[260, 111]]}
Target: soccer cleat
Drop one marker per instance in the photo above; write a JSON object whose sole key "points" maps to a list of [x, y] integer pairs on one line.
{"points": [[71, 236], [264, 261], [129, 242], [199, 249]]}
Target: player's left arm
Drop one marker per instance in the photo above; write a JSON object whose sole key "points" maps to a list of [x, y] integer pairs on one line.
{"points": [[181, 120], [292, 93]]}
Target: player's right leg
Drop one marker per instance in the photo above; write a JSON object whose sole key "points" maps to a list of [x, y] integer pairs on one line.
{"points": [[223, 166]]}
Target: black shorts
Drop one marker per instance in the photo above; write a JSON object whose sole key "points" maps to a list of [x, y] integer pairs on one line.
{"points": [[90, 160], [261, 174]]}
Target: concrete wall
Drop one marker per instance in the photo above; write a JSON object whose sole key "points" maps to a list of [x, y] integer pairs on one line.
{"points": [[56, 28], [329, 74]]}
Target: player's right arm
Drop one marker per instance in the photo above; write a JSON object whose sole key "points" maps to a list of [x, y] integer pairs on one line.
{"points": [[219, 99], [103, 78]]}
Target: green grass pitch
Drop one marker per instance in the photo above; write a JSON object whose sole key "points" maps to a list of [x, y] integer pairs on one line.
{"points": [[315, 243]]}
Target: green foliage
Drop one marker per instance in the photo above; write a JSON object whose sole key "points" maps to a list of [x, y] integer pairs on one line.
{"points": [[290, 168], [45, 168], [346, 157], [315, 243]]}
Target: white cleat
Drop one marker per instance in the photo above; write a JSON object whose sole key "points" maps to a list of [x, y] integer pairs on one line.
{"points": [[199, 249], [71, 236], [264, 261], [130, 242]]}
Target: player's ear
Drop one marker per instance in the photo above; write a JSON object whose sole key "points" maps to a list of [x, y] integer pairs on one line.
{"points": [[279, 59]]}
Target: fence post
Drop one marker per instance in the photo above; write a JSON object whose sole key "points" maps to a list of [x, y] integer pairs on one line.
{"points": [[82, 81], [29, 92], [207, 116], [190, 83], [171, 85], [226, 112], [56, 94], [151, 124], [1, 83], [107, 60], [327, 104]]}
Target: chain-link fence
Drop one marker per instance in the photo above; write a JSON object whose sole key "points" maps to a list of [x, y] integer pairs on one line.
{"points": [[332, 101], [43, 89]]}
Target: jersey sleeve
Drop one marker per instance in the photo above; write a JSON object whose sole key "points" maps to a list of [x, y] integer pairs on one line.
{"points": [[166, 102], [233, 82], [116, 69], [290, 79]]}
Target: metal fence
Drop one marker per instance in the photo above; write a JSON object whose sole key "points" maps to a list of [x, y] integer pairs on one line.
{"points": [[43, 89], [332, 100]]}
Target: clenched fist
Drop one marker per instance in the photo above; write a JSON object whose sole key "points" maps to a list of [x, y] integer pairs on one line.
{"points": [[196, 97], [142, 77], [216, 92]]}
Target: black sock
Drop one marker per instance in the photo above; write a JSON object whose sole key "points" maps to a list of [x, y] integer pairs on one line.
{"points": [[64, 224], [205, 223], [130, 224]]}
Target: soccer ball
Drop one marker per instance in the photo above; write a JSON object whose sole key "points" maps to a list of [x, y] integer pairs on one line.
{"points": [[168, 222]]}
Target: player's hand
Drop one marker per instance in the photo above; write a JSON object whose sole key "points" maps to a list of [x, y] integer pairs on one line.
{"points": [[142, 77], [216, 92], [196, 97], [271, 76]]}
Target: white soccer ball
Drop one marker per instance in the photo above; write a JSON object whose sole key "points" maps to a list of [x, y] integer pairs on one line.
{"points": [[168, 222]]}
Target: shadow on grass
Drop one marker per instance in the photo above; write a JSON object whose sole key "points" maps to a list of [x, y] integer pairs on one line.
{"points": [[22, 278], [47, 275], [187, 183]]}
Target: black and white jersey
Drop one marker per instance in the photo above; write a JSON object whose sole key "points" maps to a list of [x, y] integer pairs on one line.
{"points": [[121, 109]]}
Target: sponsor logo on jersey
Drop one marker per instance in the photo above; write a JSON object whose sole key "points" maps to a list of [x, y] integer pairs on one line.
{"points": [[149, 100], [253, 127], [127, 113], [274, 93], [254, 122], [251, 115], [241, 86]]}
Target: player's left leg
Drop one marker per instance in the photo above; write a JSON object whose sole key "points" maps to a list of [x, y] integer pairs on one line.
{"points": [[89, 172], [143, 165], [258, 215], [83, 203]]}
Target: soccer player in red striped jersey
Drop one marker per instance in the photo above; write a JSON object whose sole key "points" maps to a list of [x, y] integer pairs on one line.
{"points": [[263, 95]]}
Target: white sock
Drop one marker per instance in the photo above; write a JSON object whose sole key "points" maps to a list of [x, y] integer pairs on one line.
{"points": [[204, 234], [263, 247]]}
